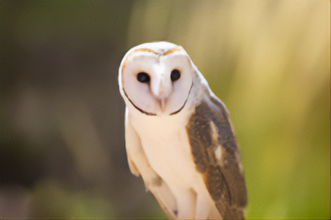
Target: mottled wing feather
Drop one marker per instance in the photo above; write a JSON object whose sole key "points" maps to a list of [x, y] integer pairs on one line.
{"points": [[210, 128], [139, 165]]}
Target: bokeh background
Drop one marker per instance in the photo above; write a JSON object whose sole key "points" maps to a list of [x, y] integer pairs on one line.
{"points": [[62, 152]]}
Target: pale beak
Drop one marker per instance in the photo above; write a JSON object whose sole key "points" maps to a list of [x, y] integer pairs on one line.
{"points": [[161, 90], [160, 96], [162, 104]]}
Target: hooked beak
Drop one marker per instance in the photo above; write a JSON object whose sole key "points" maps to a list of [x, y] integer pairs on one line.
{"points": [[160, 95], [162, 104]]}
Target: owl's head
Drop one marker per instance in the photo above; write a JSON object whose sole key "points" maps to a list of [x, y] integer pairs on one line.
{"points": [[156, 78]]}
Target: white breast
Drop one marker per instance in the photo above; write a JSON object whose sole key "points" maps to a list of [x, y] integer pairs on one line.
{"points": [[167, 148], [166, 145]]}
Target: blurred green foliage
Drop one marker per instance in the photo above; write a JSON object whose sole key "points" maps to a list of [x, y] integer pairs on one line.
{"points": [[62, 149]]}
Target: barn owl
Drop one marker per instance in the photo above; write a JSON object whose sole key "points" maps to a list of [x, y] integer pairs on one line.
{"points": [[178, 135]]}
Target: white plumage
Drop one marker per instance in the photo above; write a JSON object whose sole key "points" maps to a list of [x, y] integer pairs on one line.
{"points": [[178, 135]]}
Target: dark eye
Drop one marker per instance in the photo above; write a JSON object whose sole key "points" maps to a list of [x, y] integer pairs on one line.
{"points": [[143, 77], [175, 75]]}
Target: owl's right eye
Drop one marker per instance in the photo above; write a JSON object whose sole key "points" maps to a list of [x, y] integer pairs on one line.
{"points": [[143, 77]]}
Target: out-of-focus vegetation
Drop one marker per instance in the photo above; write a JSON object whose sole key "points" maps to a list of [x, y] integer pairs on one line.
{"points": [[62, 149]]}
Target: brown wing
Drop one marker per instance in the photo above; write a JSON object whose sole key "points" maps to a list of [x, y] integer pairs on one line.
{"points": [[217, 157]]}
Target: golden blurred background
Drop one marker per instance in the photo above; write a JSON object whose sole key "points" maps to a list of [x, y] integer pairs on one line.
{"points": [[62, 151]]}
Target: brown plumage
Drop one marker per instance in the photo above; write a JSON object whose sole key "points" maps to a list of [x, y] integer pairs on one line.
{"points": [[223, 177]]}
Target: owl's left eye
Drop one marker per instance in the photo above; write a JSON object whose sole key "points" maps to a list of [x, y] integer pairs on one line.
{"points": [[175, 75]]}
